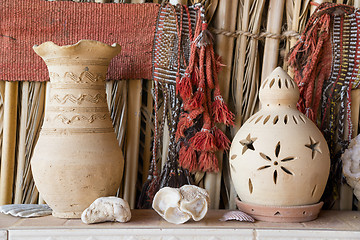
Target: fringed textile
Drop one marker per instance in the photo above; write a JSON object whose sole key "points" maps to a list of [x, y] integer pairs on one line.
{"points": [[325, 80], [170, 53], [203, 105]]}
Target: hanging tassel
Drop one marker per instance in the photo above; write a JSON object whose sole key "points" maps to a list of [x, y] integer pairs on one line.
{"points": [[204, 141], [208, 162], [306, 55], [186, 121], [187, 158], [205, 38], [221, 113], [198, 140], [221, 141], [184, 86]]}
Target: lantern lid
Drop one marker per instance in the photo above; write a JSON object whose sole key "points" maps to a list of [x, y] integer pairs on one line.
{"points": [[279, 89]]}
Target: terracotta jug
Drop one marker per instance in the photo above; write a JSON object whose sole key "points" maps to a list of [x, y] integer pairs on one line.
{"points": [[77, 158], [279, 157]]}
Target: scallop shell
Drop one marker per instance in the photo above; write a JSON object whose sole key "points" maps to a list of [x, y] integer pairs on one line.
{"points": [[107, 209], [26, 210], [237, 215]]}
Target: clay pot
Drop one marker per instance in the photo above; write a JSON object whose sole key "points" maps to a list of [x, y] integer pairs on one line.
{"points": [[279, 157], [77, 158]]}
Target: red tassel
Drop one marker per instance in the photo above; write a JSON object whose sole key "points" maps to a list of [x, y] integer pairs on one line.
{"points": [[184, 86], [205, 37], [221, 113], [187, 158], [196, 101], [203, 141], [221, 141], [208, 162], [186, 121]]}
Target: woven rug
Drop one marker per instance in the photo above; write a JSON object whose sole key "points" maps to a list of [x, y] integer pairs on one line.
{"points": [[26, 23]]}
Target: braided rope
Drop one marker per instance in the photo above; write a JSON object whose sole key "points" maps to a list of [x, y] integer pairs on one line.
{"points": [[262, 35]]}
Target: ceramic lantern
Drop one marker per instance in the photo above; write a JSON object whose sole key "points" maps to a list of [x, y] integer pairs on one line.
{"points": [[77, 158], [279, 159]]}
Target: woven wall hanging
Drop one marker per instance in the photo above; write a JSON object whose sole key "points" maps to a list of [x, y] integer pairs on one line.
{"points": [[326, 65]]}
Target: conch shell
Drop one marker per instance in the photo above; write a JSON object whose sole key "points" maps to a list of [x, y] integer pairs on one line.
{"points": [[178, 205], [107, 209]]}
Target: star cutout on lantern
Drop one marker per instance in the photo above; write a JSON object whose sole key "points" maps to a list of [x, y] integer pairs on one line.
{"points": [[276, 163], [314, 146], [247, 143]]}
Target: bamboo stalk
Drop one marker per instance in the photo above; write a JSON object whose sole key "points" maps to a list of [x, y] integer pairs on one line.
{"points": [[274, 24], [133, 137], [296, 14], [248, 76], [241, 43], [9, 142], [148, 130], [22, 142], [132, 141], [224, 19]]}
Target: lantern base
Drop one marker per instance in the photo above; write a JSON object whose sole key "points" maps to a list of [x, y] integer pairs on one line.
{"points": [[289, 214]]}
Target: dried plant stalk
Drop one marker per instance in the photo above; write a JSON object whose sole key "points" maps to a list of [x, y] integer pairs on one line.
{"points": [[31, 118], [132, 137], [147, 117], [296, 15], [247, 68], [21, 142], [9, 142], [132, 140], [274, 24], [116, 92]]}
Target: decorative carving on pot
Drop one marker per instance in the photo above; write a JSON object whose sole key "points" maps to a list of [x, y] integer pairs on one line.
{"points": [[279, 157], [77, 158]]}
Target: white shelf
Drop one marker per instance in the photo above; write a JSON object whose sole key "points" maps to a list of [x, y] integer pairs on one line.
{"points": [[146, 224]]}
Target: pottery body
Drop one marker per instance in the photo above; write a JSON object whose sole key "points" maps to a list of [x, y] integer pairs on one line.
{"points": [[279, 157], [77, 158]]}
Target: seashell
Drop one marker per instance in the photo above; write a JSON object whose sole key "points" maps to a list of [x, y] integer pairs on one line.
{"points": [[26, 210], [195, 201], [165, 198], [107, 209], [178, 205], [176, 216], [167, 204], [237, 215]]}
